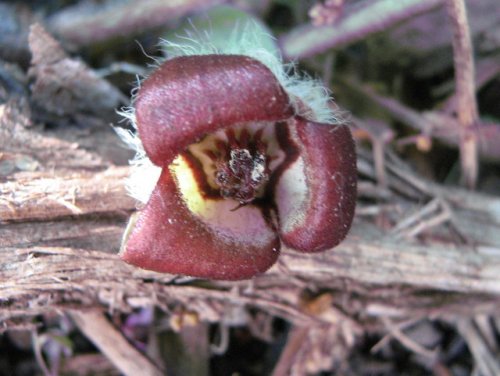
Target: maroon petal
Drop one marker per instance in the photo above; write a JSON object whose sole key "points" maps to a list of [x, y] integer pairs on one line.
{"points": [[189, 96], [169, 238], [316, 193]]}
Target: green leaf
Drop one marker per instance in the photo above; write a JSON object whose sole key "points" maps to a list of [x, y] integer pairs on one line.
{"points": [[220, 29]]}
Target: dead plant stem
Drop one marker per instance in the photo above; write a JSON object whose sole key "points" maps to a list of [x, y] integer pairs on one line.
{"points": [[112, 343], [466, 105]]}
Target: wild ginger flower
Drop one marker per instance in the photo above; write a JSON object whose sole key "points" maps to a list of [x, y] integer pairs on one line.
{"points": [[234, 158]]}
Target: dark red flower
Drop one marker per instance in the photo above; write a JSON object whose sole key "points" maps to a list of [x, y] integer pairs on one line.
{"points": [[244, 169]]}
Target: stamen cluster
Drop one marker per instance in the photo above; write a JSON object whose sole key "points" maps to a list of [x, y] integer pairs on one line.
{"points": [[241, 166]]}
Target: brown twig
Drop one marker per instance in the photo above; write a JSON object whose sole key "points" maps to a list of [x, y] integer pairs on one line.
{"points": [[294, 343], [436, 124], [487, 362], [380, 135], [37, 349], [112, 344], [466, 105], [429, 216], [356, 23], [411, 345]]}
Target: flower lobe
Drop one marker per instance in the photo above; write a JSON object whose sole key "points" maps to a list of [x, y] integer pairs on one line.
{"points": [[191, 96]]}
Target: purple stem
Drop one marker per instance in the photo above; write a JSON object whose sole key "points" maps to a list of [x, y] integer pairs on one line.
{"points": [[357, 22]]}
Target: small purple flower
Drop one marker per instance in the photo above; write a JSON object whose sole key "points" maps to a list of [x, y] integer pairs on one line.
{"points": [[247, 164]]}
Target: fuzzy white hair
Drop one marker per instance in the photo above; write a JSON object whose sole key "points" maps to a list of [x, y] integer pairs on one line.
{"points": [[246, 40]]}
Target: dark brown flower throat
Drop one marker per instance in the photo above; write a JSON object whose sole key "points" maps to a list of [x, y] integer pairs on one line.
{"points": [[241, 166]]}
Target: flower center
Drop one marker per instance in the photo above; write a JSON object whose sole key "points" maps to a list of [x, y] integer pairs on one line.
{"points": [[242, 175], [237, 162]]}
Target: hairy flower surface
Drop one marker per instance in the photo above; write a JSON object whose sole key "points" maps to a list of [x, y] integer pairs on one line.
{"points": [[242, 159]]}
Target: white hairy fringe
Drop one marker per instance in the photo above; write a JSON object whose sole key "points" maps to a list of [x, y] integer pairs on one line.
{"points": [[247, 40], [144, 174]]}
